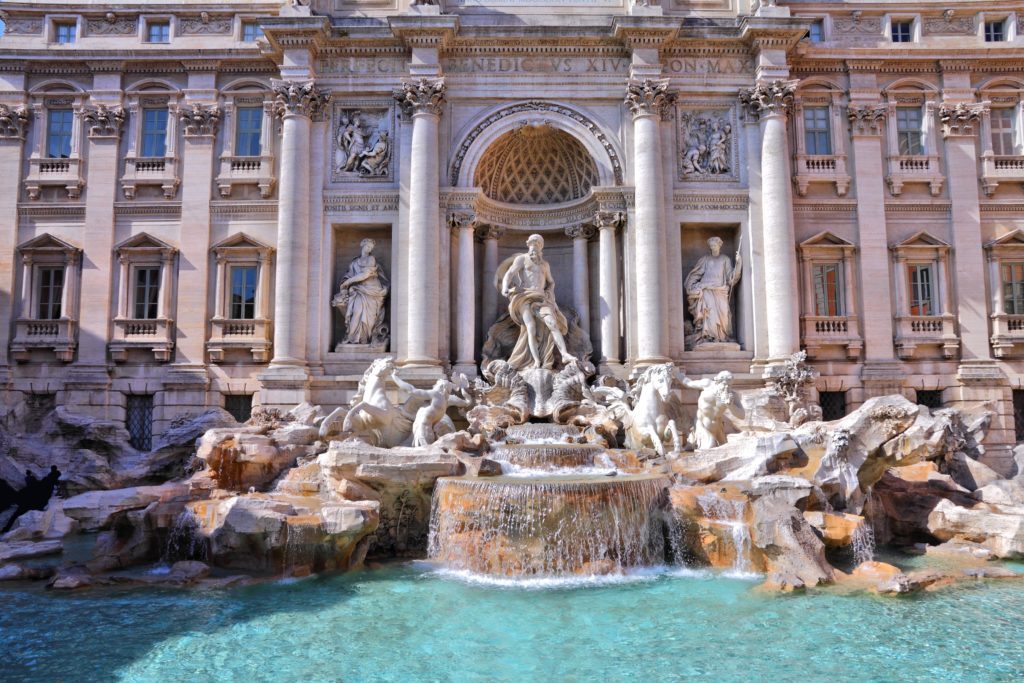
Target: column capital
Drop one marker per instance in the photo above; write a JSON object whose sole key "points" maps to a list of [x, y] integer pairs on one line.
{"points": [[104, 121], [867, 119], [13, 122], [461, 221], [200, 120], [489, 232], [768, 99], [581, 231], [425, 96], [649, 97], [299, 98], [609, 220], [961, 118]]}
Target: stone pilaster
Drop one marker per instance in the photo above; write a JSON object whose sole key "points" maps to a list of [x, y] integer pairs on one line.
{"points": [[424, 100], [607, 223], [770, 102], [489, 235], [463, 228], [647, 101], [580, 236], [14, 122]]}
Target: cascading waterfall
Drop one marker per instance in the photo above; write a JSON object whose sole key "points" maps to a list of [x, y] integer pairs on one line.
{"points": [[548, 526], [729, 514], [554, 456], [184, 542], [863, 544]]}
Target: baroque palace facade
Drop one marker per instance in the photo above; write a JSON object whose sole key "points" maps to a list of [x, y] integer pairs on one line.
{"points": [[246, 202]]}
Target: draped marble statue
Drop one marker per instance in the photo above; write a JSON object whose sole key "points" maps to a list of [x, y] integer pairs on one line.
{"points": [[360, 298], [709, 292], [531, 304]]}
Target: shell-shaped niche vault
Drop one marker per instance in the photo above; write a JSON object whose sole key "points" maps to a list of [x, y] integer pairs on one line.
{"points": [[536, 164]]}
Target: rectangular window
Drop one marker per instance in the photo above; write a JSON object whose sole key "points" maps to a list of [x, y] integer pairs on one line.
{"points": [[931, 398], [828, 289], [58, 133], [251, 31], [922, 289], [1013, 288], [908, 130], [154, 132], [833, 405], [147, 292], [1018, 414], [247, 131], [995, 31], [816, 32], [139, 421], [51, 291], [239, 405], [243, 292], [158, 32], [1002, 120], [817, 134], [65, 32], [902, 30]]}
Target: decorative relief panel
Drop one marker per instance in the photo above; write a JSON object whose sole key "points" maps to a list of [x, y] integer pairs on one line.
{"points": [[856, 24], [204, 24], [111, 25], [707, 144], [30, 26], [948, 25], [363, 140]]}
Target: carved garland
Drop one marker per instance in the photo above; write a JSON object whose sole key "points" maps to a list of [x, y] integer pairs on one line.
{"points": [[13, 122], [535, 105], [103, 121]]}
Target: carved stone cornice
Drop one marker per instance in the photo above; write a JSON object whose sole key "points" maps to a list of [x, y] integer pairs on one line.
{"points": [[13, 122], [649, 97], [299, 98], [489, 232], [962, 118], [425, 96], [103, 121], [609, 220], [584, 231], [867, 119], [768, 99], [200, 120]]}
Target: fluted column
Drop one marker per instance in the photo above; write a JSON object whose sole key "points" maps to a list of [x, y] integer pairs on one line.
{"points": [[580, 236], [296, 103], [463, 227], [647, 101], [490, 235], [608, 287], [770, 102], [424, 100]]}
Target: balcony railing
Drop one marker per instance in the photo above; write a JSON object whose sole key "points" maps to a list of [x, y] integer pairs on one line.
{"points": [[818, 168], [32, 334], [822, 331], [139, 171], [235, 170], [253, 336], [938, 331], [154, 335], [1007, 335], [46, 172], [1000, 169], [917, 168]]}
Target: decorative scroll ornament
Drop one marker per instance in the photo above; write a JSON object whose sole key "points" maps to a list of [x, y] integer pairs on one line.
{"points": [[949, 25], [581, 231], [867, 119], [204, 24], [13, 122], [103, 121], [608, 220], [768, 99], [961, 118], [200, 119], [295, 98], [649, 97], [425, 96]]}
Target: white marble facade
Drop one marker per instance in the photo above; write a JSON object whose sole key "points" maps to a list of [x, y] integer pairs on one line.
{"points": [[202, 181]]}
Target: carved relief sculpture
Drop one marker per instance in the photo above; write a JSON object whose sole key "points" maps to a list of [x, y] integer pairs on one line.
{"points": [[103, 121], [709, 292], [363, 144], [705, 141], [13, 122], [199, 119], [962, 118], [360, 298]]}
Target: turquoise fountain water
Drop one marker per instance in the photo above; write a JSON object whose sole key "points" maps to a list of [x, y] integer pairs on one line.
{"points": [[414, 623]]}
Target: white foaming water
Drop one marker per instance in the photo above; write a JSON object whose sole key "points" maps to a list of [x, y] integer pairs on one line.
{"points": [[514, 470], [863, 544], [730, 514], [628, 576]]}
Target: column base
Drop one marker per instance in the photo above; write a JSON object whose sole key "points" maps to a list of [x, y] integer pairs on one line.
{"points": [[283, 387], [418, 374], [467, 368]]}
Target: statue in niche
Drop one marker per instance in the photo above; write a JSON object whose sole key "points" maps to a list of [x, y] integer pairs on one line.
{"points": [[709, 292], [360, 298], [715, 398], [530, 289], [705, 143]]}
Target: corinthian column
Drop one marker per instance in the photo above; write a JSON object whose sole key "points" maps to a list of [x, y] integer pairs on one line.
{"points": [[462, 226], [608, 287], [770, 102], [423, 100], [647, 101], [580, 235], [296, 103], [490, 234]]}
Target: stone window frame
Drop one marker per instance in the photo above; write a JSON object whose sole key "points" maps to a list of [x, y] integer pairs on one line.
{"points": [[238, 170], [828, 168], [915, 26], [55, 335], [825, 331], [1007, 329], [147, 19], [244, 19], [155, 335], [51, 22], [914, 168], [139, 170], [252, 335], [1002, 94], [43, 170], [1007, 18], [933, 330]]}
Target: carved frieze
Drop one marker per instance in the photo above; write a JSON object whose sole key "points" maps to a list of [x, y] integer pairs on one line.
{"points": [[27, 26], [649, 97], [200, 120], [103, 121], [13, 122], [111, 25], [948, 25], [707, 146], [363, 142], [361, 203], [856, 24], [425, 96], [205, 24], [867, 119], [295, 98], [768, 99], [962, 118]]}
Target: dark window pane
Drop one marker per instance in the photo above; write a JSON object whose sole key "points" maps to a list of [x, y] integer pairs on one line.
{"points": [[154, 132], [147, 292], [58, 133], [247, 131], [139, 420], [243, 292]]}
